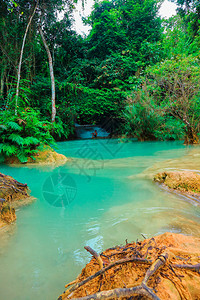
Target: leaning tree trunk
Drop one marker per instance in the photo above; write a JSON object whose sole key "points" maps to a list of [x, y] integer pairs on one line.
{"points": [[20, 60], [53, 93]]}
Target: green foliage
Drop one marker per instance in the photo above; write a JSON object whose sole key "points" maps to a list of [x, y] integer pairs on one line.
{"points": [[91, 106], [189, 10], [169, 98], [120, 25], [176, 40], [146, 121], [63, 127], [98, 75], [21, 135]]}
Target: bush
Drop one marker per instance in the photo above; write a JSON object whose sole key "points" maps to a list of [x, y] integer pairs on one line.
{"points": [[21, 135]]}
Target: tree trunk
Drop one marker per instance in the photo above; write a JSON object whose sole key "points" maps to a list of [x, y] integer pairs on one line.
{"points": [[191, 136], [20, 60], [2, 83], [53, 93]]}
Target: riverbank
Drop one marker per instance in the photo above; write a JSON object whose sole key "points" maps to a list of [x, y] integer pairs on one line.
{"points": [[163, 267], [186, 182], [13, 194], [181, 175], [45, 156]]}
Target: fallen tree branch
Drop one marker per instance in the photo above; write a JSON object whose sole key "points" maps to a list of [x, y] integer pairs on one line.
{"points": [[100, 272], [71, 283], [96, 256], [161, 260], [141, 289], [195, 268], [126, 292]]}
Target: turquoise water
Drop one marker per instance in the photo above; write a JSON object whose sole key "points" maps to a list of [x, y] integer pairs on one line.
{"points": [[88, 201]]}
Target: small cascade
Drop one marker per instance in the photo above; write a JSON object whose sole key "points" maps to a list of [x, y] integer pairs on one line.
{"points": [[85, 131]]}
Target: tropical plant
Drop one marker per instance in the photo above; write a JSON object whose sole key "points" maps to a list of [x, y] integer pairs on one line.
{"points": [[21, 135]]}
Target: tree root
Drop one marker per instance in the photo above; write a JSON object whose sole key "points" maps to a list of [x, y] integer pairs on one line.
{"points": [[195, 268], [142, 289], [96, 256], [100, 272]]}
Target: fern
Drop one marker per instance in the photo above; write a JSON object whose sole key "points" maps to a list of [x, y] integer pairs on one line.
{"points": [[3, 127], [33, 157], [8, 149], [30, 140], [22, 157], [20, 135], [14, 126], [17, 139]]}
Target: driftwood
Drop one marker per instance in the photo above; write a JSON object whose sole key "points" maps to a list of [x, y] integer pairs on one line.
{"points": [[96, 255]]}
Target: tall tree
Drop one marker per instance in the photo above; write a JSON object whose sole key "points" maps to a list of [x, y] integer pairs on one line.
{"points": [[120, 25], [21, 56], [53, 92], [189, 10]]}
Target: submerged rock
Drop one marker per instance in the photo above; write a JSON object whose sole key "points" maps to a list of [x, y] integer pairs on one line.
{"points": [[164, 267], [12, 194], [184, 181]]}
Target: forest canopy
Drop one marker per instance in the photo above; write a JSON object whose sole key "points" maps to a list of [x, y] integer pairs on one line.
{"points": [[133, 67]]}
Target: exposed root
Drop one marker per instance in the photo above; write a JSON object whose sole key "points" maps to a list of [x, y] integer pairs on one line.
{"points": [[96, 255], [150, 269], [195, 268], [141, 289], [100, 272]]}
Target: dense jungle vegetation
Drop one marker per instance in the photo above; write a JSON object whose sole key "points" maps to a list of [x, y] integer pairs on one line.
{"points": [[138, 70]]}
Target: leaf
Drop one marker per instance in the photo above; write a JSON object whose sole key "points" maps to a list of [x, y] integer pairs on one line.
{"points": [[22, 157], [15, 4], [17, 139], [14, 126], [8, 149], [30, 140]]}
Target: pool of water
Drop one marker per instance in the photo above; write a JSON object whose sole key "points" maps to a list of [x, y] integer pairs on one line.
{"points": [[88, 201]]}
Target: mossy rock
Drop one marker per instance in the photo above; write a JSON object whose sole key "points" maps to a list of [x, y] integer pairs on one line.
{"points": [[186, 181], [45, 156]]}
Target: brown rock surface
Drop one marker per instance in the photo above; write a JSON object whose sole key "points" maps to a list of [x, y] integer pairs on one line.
{"points": [[184, 181], [15, 194], [168, 282]]}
